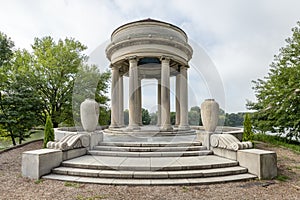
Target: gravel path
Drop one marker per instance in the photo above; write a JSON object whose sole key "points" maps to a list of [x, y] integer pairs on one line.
{"points": [[14, 186]]}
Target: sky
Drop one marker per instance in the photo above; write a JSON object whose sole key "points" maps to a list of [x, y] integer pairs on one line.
{"points": [[234, 41]]}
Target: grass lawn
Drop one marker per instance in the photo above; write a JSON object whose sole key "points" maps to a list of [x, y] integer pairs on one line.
{"points": [[278, 141], [6, 142]]}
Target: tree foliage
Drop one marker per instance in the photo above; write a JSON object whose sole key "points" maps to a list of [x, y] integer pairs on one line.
{"points": [[145, 117], [48, 132], [6, 49], [194, 116], [91, 83], [20, 105], [40, 83], [278, 94], [248, 133], [55, 67], [234, 119]]}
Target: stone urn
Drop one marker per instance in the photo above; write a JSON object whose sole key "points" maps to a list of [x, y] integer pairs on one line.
{"points": [[210, 115], [89, 114]]}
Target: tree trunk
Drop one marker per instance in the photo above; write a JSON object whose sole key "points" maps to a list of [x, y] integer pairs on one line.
{"points": [[13, 139], [55, 124]]}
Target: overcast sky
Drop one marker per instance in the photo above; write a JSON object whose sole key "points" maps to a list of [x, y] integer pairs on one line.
{"points": [[235, 40]]}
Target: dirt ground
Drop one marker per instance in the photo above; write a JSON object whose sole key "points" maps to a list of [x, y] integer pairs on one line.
{"points": [[14, 186]]}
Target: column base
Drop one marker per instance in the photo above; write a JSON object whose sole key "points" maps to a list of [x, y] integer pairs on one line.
{"points": [[133, 127], [114, 126], [184, 127], [166, 128]]}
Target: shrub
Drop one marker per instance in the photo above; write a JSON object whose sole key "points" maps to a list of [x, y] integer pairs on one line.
{"points": [[49, 131], [248, 133]]}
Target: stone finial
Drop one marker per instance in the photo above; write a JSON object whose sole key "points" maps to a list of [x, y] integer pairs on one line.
{"points": [[210, 115], [89, 114]]}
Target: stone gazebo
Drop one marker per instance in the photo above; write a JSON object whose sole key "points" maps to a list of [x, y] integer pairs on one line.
{"points": [[158, 50], [149, 49]]}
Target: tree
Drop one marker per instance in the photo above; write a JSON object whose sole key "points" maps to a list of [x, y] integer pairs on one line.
{"points": [[6, 50], [278, 103], [146, 119], [153, 117], [19, 104], [126, 117], [90, 83], [48, 132], [55, 68], [248, 133], [234, 119], [173, 118], [194, 116], [6, 54]]}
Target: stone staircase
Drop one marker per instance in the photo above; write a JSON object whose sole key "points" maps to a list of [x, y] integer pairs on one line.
{"points": [[150, 163]]}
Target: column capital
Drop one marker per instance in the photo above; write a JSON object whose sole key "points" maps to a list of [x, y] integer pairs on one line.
{"points": [[184, 67], [114, 67], [165, 58], [133, 59]]}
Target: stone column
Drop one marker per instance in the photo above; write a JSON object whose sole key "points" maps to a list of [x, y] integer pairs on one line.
{"points": [[184, 124], [139, 103], [133, 86], [165, 94], [121, 101], [158, 102], [115, 98], [177, 100]]}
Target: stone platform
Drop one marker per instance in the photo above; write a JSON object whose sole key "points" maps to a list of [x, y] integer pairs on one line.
{"points": [[160, 160], [149, 131]]}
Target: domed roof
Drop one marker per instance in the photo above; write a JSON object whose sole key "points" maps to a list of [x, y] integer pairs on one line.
{"points": [[147, 21], [149, 38]]}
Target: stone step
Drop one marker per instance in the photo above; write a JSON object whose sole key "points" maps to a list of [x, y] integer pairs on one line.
{"points": [[151, 144], [149, 149], [149, 163], [175, 181], [149, 174], [150, 154]]}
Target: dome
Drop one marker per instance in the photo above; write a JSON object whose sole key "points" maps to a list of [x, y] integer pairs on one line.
{"points": [[150, 39]]}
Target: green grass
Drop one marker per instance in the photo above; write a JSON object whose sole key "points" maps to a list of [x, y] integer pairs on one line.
{"points": [[278, 141], [72, 184], [185, 189], [6, 142], [38, 181], [297, 167], [282, 178]]}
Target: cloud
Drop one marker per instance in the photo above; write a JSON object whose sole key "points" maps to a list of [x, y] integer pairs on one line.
{"points": [[240, 37]]}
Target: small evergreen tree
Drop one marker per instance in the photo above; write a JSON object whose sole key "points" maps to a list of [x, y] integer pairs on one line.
{"points": [[145, 117], [49, 131], [248, 133]]}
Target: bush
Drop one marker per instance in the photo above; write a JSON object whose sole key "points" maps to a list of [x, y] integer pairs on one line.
{"points": [[49, 131], [248, 133]]}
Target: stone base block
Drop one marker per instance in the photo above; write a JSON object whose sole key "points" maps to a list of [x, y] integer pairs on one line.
{"points": [[39, 162], [259, 162], [74, 153], [225, 153], [95, 138], [206, 140]]}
